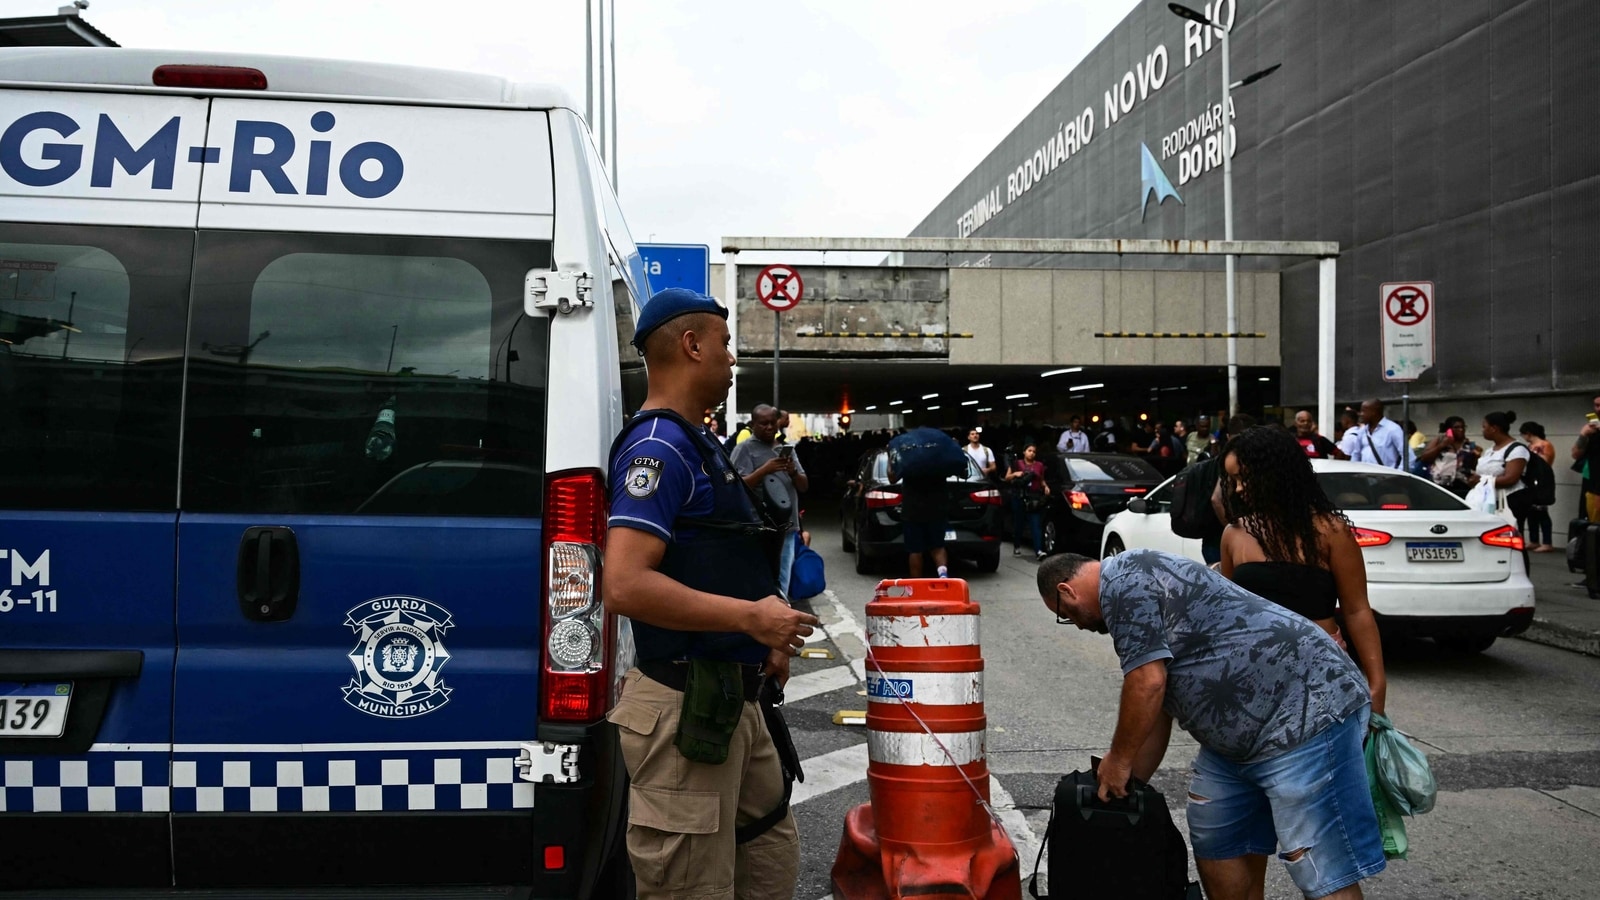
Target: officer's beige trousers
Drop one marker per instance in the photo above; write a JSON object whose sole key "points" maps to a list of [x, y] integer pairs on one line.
{"points": [[681, 814]]}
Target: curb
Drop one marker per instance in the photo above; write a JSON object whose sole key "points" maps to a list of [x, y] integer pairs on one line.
{"points": [[1553, 634]]}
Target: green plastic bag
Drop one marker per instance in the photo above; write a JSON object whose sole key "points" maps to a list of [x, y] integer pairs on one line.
{"points": [[1402, 769], [1390, 823]]}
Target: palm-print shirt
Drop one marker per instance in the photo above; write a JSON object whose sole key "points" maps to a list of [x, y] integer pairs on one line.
{"points": [[1246, 677]]}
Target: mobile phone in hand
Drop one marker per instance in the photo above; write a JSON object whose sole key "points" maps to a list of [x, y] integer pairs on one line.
{"points": [[785, 452]]}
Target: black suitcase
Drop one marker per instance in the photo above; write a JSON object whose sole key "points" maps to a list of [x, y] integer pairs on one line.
{"points": [[1129, 848], [1575, 531]]}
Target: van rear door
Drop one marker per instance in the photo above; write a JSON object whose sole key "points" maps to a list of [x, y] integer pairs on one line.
{"points": [[99, 194], [359, 616]]}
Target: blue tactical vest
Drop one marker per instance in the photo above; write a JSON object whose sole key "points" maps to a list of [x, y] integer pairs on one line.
{"points": [[734, 552]]}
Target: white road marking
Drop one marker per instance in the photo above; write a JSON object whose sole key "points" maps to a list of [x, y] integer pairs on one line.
{"points": [[831, 771], [1016, 824], [819, 682]]}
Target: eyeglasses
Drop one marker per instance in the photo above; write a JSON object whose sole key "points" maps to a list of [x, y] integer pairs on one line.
{"points": [[1061, 618]]}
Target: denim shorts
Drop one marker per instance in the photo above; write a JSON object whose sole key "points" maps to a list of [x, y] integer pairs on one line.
{"points": [[1312, 798]]}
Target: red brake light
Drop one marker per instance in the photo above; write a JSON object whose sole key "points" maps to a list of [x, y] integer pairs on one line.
{"points": [[1369, 537], [990, 496], [1395, 506], [1504, 536], [578, 635], [1078, 499], [239, 78], [882, 499], [1134, 490]]}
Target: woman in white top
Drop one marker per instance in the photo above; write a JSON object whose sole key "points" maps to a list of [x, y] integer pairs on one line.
{"points": [[1501, 466]]}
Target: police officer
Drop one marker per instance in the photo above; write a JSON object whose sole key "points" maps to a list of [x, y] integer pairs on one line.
{"points": [[691, 561]]}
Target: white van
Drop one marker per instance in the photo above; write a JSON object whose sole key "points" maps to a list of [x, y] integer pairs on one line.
{"points": [[308, 374]]}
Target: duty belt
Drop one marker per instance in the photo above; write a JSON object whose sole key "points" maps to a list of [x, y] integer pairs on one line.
{"points": [[675, 675]]}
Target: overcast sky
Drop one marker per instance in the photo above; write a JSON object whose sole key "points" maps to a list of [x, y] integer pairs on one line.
{"points": [[806, 117]]}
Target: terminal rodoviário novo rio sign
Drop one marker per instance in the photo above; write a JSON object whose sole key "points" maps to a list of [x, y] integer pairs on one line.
{"points": [[1198, 144]]}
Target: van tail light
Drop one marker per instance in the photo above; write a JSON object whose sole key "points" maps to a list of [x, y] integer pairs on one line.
{"points": [[1370, 537], [1505, 536], [1078, 499], [238, 78], [989, 496], [882, 499], [578, 633]]}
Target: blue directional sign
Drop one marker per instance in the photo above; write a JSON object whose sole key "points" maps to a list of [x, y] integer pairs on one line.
{"points": [[678, 265]]}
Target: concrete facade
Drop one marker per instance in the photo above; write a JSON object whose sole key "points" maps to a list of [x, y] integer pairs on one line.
{"points": [[1049, 317]]}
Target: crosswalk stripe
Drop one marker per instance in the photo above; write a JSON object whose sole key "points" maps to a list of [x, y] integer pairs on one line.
{"points": [[1016, 825], [831, 771], [819, 682]]}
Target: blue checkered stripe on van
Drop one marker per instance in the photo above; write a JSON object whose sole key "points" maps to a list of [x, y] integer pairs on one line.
{"points": [[360, 781]]}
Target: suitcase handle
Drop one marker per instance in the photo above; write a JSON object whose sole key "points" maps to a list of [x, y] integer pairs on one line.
{"points": [[1131, 805]]}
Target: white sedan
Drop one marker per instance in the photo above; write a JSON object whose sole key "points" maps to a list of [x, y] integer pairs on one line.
{"points": [[1435, 567]]}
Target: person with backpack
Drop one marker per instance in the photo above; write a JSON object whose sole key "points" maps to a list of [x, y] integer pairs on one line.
{"points": [[921, 460], [1279, 712], [1500, 469], [1539, 527]]}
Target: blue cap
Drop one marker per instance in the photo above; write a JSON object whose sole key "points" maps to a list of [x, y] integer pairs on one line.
{"points": [[669, 304]]}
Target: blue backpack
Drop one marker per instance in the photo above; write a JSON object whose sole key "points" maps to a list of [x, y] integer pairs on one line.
{"points": [[806, 578]]}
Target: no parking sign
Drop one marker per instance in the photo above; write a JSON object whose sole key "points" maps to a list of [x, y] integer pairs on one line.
{"points": [[1408, 314]]}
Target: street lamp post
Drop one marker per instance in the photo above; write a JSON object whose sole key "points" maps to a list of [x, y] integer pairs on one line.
{"points": [[1184, 12]]}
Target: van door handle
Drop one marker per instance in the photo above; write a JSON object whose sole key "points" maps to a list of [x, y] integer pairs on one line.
{"points": [[268, 573]]}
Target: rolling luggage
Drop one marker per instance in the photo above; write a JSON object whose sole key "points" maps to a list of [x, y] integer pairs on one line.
{"points": [[1583, 554], [1129, 848]]}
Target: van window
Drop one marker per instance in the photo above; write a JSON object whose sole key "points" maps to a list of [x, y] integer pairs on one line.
{"points": [[91, 366], [337, 374]]}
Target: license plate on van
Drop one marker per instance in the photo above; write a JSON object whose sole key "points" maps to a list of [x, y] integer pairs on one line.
{"points": [[1435, 551], [36, 710]]}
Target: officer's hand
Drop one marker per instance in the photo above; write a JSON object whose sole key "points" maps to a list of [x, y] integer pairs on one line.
{"points": [[777, 666], [776, 625]]}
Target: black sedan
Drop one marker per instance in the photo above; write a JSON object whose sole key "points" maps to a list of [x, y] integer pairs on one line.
{"points": [[1087, 489], [869, 516]]}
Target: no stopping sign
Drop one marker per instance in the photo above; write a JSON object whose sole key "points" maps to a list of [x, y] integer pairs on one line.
{"points": [[779, 287]]}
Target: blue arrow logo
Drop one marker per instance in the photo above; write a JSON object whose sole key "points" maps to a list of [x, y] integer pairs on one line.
{"points": [[1153, 181]]}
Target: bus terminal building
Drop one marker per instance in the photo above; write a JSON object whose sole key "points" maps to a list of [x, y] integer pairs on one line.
{"points": [[1456, 143]]}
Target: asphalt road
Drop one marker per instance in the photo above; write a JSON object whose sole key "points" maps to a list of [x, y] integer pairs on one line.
{"points": [[1513, 735]]}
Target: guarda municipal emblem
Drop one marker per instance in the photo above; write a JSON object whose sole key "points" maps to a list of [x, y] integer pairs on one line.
{"points": [[397, 657]]}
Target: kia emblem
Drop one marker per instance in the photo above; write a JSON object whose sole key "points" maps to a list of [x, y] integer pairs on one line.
{"points": [[1438, 529]]}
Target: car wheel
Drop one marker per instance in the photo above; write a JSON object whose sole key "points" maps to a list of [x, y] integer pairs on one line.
{"points": [[989, 562], [1114, 546], [1465, 645], [863, 561], [1050, 536]]}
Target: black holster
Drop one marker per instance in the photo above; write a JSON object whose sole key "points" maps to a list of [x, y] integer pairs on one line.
{"points": [[771, 705]]}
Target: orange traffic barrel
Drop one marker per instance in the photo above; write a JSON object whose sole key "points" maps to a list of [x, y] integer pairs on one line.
{"points": [[928, 828]]}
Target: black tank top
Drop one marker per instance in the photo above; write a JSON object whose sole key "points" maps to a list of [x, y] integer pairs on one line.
{"points": [[1297, 587]]}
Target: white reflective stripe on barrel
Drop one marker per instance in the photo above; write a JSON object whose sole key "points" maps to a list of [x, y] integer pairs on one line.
{"points": [[902, 748], [922, 631], [930, 688]]}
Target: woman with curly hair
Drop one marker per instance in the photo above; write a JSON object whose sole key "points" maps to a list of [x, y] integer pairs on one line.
{"points": [[1288, 543]]}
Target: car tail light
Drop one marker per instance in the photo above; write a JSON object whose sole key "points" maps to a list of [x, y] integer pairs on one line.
{"points": [[239, 78], [577, 631], [1395, 506], [990, 496], [1504, 536], [882, 499], [1134, 490], [1078, 499], [1370, 537]]}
